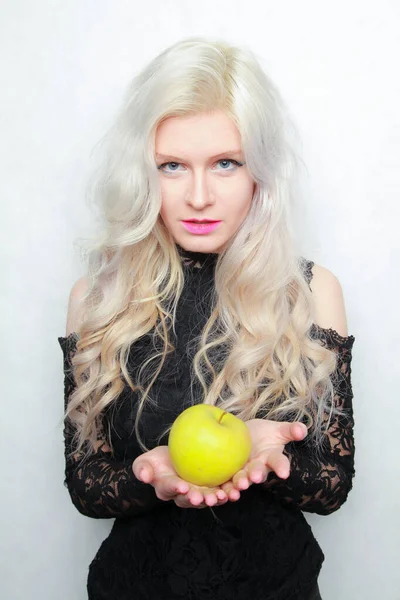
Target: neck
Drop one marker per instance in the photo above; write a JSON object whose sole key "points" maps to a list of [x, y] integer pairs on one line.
{"points": [[197, 259]]}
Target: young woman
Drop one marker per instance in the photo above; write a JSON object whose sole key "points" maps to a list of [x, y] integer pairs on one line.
{"points": [[195, 293]]}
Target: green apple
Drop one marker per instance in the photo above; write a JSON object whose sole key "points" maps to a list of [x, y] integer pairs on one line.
{"points": [[208, 445]]}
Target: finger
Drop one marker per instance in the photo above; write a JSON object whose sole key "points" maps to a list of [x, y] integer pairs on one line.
{"points": [[299, 431], [209, 496], [172, 485], [182, 502], [195, 497], [211, 499], [221, 495], [230, 490], [216, 495], [289, 432], [257, 471], [221, 502], [144, 471], [275, 461], [240, 480]]}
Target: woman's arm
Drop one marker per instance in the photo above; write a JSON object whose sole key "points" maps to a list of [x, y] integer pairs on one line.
{"points": [[282, 458], [100, 487], [321, 483]]}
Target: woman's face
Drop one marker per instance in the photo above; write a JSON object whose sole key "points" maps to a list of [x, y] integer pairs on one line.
{"points": [[202, 177]]}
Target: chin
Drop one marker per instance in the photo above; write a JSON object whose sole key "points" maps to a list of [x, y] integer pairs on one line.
{"points": [[201, 243]]}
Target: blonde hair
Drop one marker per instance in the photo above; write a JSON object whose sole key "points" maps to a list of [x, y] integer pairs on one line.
{"points": [[263, 307]]}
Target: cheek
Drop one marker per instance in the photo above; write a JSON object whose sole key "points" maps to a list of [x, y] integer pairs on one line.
{"points": [[244, 198], [168, 201], [164, 214], [165, 209]]}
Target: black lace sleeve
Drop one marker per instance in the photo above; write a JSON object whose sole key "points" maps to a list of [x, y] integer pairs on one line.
{"points": [[321, 485], [100, 487]]}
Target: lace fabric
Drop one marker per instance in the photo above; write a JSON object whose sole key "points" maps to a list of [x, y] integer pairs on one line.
{"points": [[260, 546], [321, 485], [100, 487]]}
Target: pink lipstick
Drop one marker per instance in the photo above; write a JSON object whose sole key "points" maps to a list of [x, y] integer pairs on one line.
{"points": [[199, 227]]}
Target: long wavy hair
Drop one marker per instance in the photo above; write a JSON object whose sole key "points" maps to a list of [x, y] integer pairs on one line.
{"points": [[263, 308]]}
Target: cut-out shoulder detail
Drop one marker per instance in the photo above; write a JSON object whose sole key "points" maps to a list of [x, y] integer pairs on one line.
{"points": [[307, 266], [76, 304], [329, 307], [72, 337], [332, 336]]}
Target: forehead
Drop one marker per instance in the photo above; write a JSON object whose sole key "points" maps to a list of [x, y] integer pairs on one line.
{"points": [[210, 133]]}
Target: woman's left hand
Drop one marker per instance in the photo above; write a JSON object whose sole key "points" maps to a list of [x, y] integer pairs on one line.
{"points": [[268, 442]]}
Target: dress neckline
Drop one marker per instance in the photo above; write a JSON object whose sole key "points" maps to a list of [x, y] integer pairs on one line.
{"points": [[197, 260]]}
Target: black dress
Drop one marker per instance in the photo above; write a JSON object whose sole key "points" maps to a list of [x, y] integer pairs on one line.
{"points": [[260, 547]]}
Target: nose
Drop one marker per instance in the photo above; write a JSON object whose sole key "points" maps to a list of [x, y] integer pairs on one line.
{"points": [[199, 194]]}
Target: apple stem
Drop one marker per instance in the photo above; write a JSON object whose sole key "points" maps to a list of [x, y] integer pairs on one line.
{"points": [[220, 419]]}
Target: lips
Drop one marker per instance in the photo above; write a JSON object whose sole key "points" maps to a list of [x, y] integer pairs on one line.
{"points": [[197, 227], [201, 220]]}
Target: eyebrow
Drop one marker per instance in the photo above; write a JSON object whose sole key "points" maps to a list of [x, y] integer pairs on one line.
{"points": [[221, 154]]}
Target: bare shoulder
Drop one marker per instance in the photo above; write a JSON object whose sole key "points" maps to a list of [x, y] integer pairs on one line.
{"points": [[329, 301], [75, 305]]}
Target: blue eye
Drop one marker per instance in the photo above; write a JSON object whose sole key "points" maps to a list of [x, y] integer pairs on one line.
{"points": [[160, 167], [234, 164], [230, 160]]}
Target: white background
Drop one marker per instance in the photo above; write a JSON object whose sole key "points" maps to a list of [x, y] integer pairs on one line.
{"points": [[64, 69]]}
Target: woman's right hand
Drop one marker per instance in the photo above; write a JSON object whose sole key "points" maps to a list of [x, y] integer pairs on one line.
{"points": [[155, 467]]}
